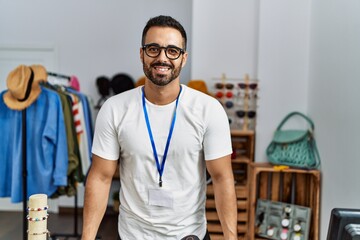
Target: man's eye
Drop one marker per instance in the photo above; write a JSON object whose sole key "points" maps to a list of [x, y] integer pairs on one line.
{"points": [[153, 49], [173, 51]]}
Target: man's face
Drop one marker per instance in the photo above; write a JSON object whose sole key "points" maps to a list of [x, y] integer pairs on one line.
{"points": [[161, 70]]}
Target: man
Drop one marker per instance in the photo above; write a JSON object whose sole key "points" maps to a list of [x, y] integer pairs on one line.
{"points": [[165, 135]]}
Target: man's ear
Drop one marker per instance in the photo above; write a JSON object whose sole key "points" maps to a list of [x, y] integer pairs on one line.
{"points": [[141, 55], [185, 56]]}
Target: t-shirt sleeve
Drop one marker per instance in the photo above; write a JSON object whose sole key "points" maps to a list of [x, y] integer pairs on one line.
{"points": [[105, 142], [217, 137]]}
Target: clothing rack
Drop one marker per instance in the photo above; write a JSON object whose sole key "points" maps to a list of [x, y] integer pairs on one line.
{"points": [[24, 180], [58, 75], [75, 234], [24, 174], [54, 236]]}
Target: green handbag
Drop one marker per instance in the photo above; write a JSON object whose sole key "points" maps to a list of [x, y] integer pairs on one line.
{"points": [[294, 148]]}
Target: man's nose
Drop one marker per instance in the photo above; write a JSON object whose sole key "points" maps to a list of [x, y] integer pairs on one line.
{"points": [[162, 54]]}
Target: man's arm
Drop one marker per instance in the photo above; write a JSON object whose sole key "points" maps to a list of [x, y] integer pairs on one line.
{"points": [[222, 178], [96, 195]]}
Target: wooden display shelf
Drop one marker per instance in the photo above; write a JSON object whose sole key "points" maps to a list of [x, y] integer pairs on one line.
{"points": [[241, 204], [241, 160], [241, 191], [243, 143], [242, 133], [215, 236], [213, 221], [216, 228], [212, 216], [274, 184]]}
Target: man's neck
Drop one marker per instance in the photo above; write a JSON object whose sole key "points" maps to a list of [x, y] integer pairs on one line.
{"points": [[161, 95]]}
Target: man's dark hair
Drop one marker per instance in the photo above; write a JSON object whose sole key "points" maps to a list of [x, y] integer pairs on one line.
{"points": [[164, 21]]}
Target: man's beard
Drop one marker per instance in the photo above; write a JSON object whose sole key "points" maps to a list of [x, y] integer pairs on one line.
{"points": [[161, 79]]}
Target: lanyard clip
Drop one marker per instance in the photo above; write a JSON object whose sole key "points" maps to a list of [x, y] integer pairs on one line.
{"points": [[160, 182]]}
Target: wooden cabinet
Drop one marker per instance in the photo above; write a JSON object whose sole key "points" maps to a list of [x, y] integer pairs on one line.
{"points": [[243, 154], [296, 186]]}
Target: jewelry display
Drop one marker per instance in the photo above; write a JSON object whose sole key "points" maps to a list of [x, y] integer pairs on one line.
{"points": [[38, 209], [279, 220], [37, 217]]}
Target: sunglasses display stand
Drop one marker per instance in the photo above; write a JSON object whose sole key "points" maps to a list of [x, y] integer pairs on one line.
{"points": [[246, 104], [239, 98]]}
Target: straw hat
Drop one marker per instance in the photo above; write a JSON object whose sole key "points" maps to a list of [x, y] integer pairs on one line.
{"points": [[23, 86]]}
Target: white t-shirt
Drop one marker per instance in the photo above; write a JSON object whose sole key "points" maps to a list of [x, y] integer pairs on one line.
{"points": [[201, 132]]}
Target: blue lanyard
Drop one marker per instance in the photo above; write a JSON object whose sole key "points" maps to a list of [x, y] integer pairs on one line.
{"points": [[159, 168]]}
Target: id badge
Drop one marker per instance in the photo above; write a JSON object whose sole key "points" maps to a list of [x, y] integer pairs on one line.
{"points": [[161, 198]]}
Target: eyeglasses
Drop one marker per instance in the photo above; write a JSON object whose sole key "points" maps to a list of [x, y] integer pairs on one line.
{"points": [[153, 50], [224, 85], [252, 86]]}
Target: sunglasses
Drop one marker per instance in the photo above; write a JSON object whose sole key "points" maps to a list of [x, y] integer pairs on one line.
{"points": [[251, 86], [221, 94], [247, 95], [228, 86], [242, 114], [229, 104]]}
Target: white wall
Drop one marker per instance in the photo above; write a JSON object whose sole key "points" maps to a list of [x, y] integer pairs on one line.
{"points": [[334, 84], [224, 39], [92, 38], [283, 65]]}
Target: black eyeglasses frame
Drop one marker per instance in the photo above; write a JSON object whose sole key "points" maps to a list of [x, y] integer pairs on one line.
{"points": [[144, 47]]}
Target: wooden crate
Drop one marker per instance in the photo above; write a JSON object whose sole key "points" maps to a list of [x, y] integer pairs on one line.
{"points": [[274, 184]]}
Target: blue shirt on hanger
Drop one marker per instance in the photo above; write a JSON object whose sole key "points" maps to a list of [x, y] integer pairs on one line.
{"points": [[46, 149]]}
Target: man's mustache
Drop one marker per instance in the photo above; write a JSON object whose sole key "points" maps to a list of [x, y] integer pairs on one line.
{"points": [[161, 65]]}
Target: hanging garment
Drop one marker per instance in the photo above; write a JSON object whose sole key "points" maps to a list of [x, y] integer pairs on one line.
{"points": [[89, 125], [74, 173], [81, 132], [46, 153], [83, 122]]}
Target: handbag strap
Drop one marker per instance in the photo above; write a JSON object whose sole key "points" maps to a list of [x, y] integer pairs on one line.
{"points": [[299, 114]]}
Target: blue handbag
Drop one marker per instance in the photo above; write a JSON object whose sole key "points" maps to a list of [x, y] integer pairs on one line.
{"points": [[294, 148]]}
